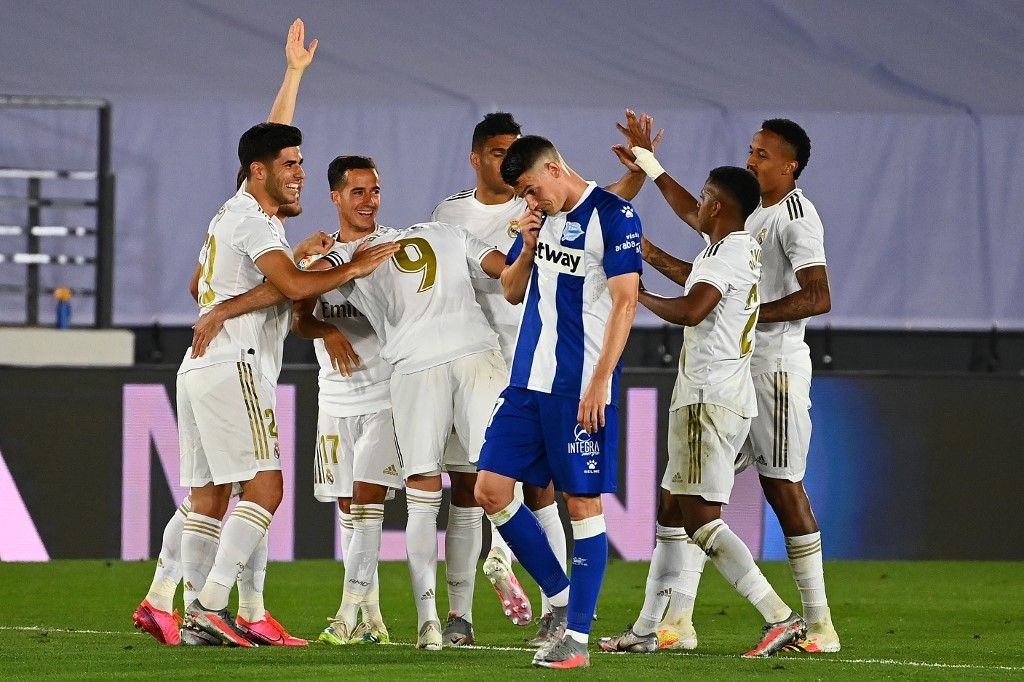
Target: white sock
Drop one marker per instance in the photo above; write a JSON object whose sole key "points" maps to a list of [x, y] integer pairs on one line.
{"points": [[551, 522], [250, 584], [462, 545], [243, 531], [200, 537], [661, 577], [168, 564], [684, 592], [345, 524], [734, 561], [361, 557], [805, 559], [421, 546], [498, 545]]}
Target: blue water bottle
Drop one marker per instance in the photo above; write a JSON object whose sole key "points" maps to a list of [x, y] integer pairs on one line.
{"points": [[63, 317]]}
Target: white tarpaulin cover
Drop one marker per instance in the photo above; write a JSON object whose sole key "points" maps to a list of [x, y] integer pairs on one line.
{"points": [[915, 109]]}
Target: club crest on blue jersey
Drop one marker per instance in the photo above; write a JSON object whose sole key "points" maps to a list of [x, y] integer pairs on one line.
{"points": [[571, 232]]}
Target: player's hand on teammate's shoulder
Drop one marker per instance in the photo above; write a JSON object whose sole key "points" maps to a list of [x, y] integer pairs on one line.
{"points": [[316, 244], [295, 51], [637, 131], [529, 226], [367, 257], [343, 356], [205, 330]]}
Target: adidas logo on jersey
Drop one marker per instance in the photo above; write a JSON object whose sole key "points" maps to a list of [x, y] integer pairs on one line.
{"points": [[762, 461], [667, 592], [677, 478], [391, 470], [429, 594], [564, 259]]}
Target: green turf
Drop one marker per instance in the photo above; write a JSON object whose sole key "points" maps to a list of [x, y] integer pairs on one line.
{"points": [[892, 617]]}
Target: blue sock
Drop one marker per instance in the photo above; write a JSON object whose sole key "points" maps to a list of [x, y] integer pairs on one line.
{"points": [[526, 539], [589, 559]]}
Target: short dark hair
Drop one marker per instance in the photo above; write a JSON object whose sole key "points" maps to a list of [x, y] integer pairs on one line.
{"points": [[522, 155], [497, 123], [264, 141], [343, 164], [740, 184], [795, 136], [240, 178]]}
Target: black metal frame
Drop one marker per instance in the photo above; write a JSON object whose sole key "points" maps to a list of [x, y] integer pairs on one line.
{"points": [[104, 205]]}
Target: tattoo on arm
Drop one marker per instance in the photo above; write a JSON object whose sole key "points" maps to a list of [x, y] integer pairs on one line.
{"points": [[812, 298], [675, 269]]}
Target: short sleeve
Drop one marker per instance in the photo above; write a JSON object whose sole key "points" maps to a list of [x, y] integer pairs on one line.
{"points": [[713, 269], [255, 237], [621, 230], [475, 252], [803, 242]]}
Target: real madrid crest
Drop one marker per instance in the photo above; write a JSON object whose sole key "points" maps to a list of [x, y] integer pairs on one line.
{"points": [[513, 229], [761, 235]]}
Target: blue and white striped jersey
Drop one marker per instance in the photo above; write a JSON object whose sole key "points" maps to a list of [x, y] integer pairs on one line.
{"points": [[567, 300]]}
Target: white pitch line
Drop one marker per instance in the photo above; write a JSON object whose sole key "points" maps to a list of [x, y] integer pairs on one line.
{"points": [[829, 658]]}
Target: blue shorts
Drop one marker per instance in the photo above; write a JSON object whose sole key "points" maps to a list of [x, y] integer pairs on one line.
{"points": [[534, 437]]}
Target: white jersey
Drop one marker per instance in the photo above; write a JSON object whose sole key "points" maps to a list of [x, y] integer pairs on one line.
{"points": [[421, 302], [791, 237], [491, 224], [714, 365], [239, 234], [368, 390]]}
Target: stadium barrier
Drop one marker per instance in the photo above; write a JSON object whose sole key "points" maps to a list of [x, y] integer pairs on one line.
{"points": [[902, 467]]}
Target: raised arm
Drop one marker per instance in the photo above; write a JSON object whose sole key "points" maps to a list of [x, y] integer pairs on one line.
{"points": [[640, 145], [630, 184], [516, 277], [623, 290], [812, 298], [299, 58]]}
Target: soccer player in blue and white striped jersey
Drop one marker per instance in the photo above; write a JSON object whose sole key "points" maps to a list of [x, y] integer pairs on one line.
{"points": [[576, 266]]}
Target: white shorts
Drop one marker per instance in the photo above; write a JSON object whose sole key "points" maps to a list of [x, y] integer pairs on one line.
{"points": [[429, 403], [781, 432], [349, 449], [702, 445], [227, 430]]}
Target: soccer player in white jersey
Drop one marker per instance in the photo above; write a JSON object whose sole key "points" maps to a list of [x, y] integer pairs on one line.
{"points": [[356, 462], [489, 211], [441, 381], [795, 286], [227, 435], [154, 613], [576, 264], [713, 400]]}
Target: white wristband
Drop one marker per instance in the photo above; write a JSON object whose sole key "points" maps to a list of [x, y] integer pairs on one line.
{"points": [[645, 159]]}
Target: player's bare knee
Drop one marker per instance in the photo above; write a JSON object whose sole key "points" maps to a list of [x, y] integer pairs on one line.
{"points": [[538, 498], [582, 507], [368, 493], [669, 514], [211, 500], [345, 505], [265, 489], [493, 492]]}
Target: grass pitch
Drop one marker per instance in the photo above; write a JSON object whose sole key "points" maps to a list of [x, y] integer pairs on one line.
{"points": [[72, 619]]}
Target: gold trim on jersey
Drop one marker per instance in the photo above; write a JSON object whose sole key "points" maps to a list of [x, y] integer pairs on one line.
{"points": [[695, 440], [251, 398], [780, 439]]}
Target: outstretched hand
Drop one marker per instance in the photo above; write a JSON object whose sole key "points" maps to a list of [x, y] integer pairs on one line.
{"points": [[637, 132], [295, 51]]}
